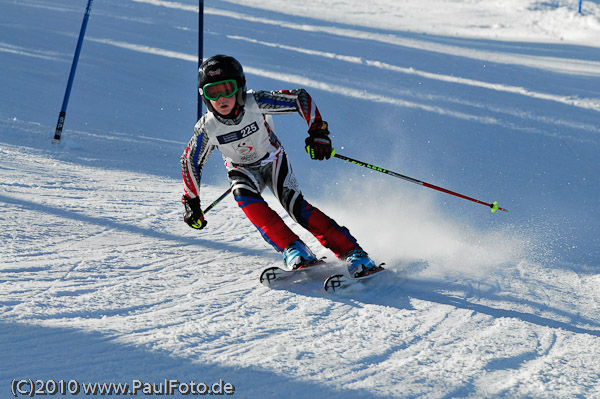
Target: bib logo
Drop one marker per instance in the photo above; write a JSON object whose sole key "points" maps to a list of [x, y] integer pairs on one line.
{"points": [[245, 147]]}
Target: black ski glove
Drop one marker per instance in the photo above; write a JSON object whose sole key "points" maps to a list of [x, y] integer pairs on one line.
{"points": [[193, 214], [318, 143]]}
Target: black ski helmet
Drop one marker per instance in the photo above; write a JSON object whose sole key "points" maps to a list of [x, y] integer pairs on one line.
{"points": [[222, 67]]}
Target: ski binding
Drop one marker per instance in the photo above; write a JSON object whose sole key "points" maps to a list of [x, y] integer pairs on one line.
{"points": [[274, 274], [338, 282]]}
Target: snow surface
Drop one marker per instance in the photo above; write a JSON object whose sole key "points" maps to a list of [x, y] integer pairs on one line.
{"points": [[101, 281]]}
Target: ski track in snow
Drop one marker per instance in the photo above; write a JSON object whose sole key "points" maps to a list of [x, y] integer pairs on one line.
{"points": [[100, 280], [476, 115]]}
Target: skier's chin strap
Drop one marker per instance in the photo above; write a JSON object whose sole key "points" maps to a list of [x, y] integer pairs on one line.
{"points": [[236, 112]]}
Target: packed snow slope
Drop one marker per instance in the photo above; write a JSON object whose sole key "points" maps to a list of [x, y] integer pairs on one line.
{"points": [[101, 281]]}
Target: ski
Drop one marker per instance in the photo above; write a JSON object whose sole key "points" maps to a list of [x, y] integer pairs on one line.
{"points": [[274, 274], [338, 282]]}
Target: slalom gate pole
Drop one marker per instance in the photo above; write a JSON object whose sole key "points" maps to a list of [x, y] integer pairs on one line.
{"points": [[200, 51], [494, 205], [215, 202], [63, 109]]}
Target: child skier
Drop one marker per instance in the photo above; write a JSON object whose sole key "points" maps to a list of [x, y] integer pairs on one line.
{"points": [[239, 124]]}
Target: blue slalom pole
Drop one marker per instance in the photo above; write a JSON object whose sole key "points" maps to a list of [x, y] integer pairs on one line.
{"points": [[63, 109], [200, 49], [580, 6]]}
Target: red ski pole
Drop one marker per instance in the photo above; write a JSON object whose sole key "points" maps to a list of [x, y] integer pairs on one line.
{"points": [[494, 205]]}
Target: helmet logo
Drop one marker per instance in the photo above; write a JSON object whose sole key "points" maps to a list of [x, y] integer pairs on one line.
{"points": [[215, 72]]}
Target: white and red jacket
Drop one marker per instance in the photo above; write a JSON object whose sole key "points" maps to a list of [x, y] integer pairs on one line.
{"points": [[245, 140]]}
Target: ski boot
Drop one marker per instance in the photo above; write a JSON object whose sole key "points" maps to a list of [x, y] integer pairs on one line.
{"points": [[296, 255], [359, 263]]}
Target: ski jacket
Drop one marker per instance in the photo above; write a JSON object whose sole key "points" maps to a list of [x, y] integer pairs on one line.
{"points": [[245, 140]]}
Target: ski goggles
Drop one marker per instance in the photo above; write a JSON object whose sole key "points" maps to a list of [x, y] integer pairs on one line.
{"points": [[224, 88]]}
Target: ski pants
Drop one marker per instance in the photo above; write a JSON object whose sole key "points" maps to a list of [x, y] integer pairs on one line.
{"points": [[275, 172]]}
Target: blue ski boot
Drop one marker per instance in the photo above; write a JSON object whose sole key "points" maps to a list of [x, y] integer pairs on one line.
{"points": [[296, 255], [359, 263]]}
